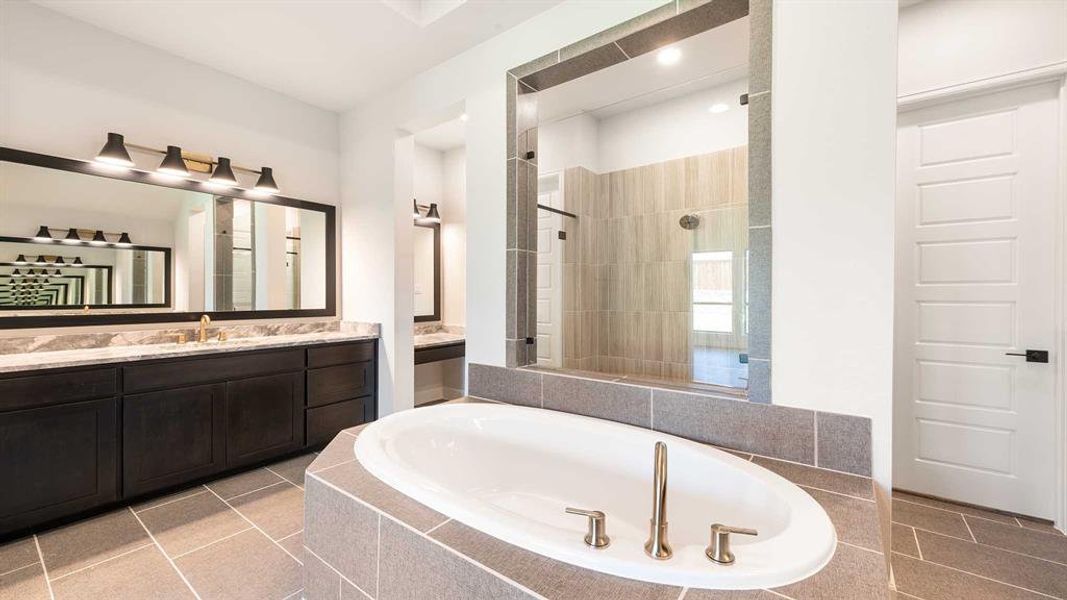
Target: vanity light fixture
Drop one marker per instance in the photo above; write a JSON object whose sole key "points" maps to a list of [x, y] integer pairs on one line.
{"points": [[43, 235], [58, 261], [265, 184], [21, 260], [223, 174], [114, 151], [59, 273], [77, 262], [124, 240], [416, 214], [98, 239], [72, 237], [433, 216], [40, 260], [16, 273], [669, 56], [173, 164]]}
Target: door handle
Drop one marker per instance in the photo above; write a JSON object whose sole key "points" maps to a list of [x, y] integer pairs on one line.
{"points": [[1034, 356]]}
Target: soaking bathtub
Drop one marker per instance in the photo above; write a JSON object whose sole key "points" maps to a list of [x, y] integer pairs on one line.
{"points": [[510, 471]]}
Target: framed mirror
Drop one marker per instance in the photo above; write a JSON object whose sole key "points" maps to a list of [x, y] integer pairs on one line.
{"points": [[427, 242], [81, 244]]}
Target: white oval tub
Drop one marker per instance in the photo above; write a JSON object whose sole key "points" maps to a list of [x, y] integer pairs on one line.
{"points": [[510, 471]]}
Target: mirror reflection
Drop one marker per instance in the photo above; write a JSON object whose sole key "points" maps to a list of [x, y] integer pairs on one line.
{"points": [[426, 264], [648, 278], [71, 240]]}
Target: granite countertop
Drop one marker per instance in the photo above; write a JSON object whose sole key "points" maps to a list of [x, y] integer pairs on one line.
{"points": [[28, 361], [439, 338]]}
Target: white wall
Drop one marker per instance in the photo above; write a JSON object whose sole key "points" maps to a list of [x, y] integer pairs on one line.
{"points": [[377, 215], [834, 145], [454, 237], [947, 42], [570, 142]]}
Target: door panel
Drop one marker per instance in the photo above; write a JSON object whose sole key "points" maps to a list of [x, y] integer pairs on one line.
{"points": [[154, 424], [264, 417], [976, 267]]}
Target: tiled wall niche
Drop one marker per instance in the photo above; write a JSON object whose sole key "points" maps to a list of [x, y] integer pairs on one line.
{"points": [[669, 23], [825, 440]]}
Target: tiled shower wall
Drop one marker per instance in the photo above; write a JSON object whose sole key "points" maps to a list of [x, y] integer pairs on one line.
{"points": [[627, 261]]}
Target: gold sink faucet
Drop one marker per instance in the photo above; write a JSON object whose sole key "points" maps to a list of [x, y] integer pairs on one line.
{"points": [[204, 322]]}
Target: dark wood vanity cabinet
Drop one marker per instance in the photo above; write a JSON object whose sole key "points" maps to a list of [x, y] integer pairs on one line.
{"points": [[77, 440]]}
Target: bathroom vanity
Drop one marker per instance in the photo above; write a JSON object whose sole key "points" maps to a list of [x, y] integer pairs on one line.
{"points": [[102, 426]]}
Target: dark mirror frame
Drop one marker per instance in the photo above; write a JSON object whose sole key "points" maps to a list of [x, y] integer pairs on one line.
{"points": [[167, 284], [137, 176], [436, 316]]}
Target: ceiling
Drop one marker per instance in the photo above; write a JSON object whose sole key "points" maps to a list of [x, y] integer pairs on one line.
{"points": [[708, 59], [329, 53], [446, 136]]}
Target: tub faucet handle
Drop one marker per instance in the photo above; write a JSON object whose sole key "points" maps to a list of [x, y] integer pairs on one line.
{"points": [[598, 533], [719, 550]]}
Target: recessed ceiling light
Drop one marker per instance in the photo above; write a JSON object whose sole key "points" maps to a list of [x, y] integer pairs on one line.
{"points": [[669, 56], [463, 117], [718, 108]]}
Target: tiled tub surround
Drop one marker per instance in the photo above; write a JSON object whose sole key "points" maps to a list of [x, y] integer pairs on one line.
{"points": [[235, 538], [627, 262], [363, 539], [47, 342], [162, 345], [669, 23], [826, 440]]}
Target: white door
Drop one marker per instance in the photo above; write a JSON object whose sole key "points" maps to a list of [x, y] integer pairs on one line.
{"points": [[549, 275], [976, 260]]}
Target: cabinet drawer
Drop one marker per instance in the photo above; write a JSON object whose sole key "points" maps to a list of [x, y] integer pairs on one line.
{"points": [[54, 388], [56, 461], [340, 354], [324, 422], [342, 382], [192, 371]]}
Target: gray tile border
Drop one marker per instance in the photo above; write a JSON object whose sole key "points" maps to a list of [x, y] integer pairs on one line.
{"points": [[759, 381], [594, 60], [759, 160], [512, 203], [511, 312], [514, 386], [622, 403], [342, 532], [759, 46], [759, 285], [622, 30], [511, 92], [778, 431], [535, 65], [692, 22], [844, 442], [515, 353]]}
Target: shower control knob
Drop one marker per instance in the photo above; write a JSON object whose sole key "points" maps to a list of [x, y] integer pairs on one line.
{"points": [[597, 536]]}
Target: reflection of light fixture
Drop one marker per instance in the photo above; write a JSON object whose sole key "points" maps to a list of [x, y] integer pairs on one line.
{"points": [[416, 214], [124, 240], [21, 260], [59, 261], [40, 260], [78, 262], [114, 152], [172, 163], [718, 108], [668, 56], [72, 237], [433, 216], [16, 273], [98, 239], [43, 235], [223, 174], [266, 184], [58, 272]]}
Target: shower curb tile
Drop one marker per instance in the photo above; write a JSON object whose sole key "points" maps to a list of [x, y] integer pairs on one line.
{"points": [[622, 403], [514, 386]]}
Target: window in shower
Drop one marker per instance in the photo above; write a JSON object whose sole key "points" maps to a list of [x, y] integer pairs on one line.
{"points": [[713, 292]]}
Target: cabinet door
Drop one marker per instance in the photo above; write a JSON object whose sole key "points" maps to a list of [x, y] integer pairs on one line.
{"points": [[264, 417], [172, 436], [57, 460]]}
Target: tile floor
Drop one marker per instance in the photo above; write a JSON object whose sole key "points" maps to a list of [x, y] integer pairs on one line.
{"points": [[945, 551], [236, 538]]}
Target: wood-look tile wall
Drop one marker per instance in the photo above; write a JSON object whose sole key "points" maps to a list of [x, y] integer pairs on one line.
{"points": [[627, 261]]}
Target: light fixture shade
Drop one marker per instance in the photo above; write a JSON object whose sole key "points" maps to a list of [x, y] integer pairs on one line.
{"points": [[78, 261], [21, 260], [124, 240], [98, 238], [40, 260], [43, 234], [417, 214], [266, 183], [432, 215], [58, 272], [16, 273], [114, 151], [72, 237], [173, 164], [59, 261], [223, 174]]}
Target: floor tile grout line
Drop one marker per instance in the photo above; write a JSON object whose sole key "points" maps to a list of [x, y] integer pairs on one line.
{"points": [[977, 543], [957, 512], [968, 526], [339, 574], [681, 596], [434, 528], [779, 594], [170, 560], [25, 566], [169, 502], [270, 539], [282, 539], [972, 574], [295, 593], [211, 543], [918, 548], [284, 480], [858, 547], [812, 487], [44, 567], [106, 560], [378, 561]]}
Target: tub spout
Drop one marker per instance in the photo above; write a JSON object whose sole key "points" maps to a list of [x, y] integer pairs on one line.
{"points": [[657, 545]]}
